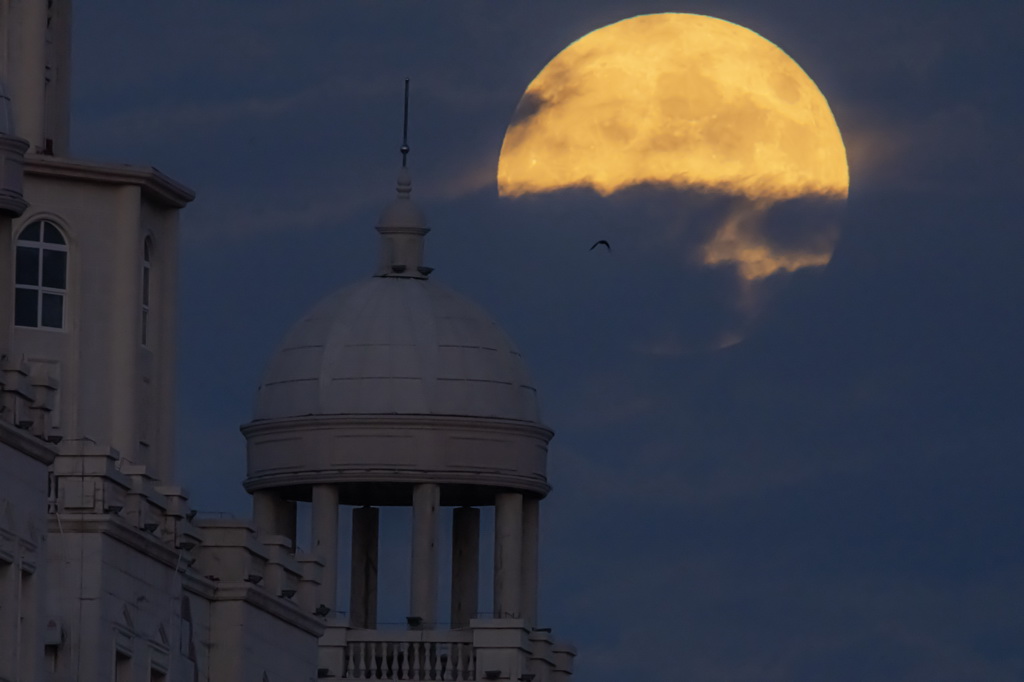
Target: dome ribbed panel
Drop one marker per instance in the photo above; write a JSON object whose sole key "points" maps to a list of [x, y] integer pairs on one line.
{"points": [[397, 346]]}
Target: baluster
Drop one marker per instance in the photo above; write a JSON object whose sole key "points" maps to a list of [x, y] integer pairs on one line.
{"points": [[389, 661], [460, 665], [452, 663], [459, 672], [403, 663], [353, 660]]}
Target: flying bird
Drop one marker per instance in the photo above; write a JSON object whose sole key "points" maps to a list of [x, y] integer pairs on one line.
{"points": [[600, 242]]}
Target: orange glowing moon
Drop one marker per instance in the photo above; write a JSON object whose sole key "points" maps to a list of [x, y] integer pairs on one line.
{"points": [[678, 99]]}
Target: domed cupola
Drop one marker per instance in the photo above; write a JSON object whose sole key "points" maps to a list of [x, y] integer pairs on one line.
{"points": [[396, 391], [395, 380]]}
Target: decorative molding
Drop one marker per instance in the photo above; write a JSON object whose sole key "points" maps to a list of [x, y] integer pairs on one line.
{"points": [[154, 184], [27, 444]]}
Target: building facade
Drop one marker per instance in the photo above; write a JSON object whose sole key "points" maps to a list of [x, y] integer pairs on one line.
{"points": [[393, 392]]}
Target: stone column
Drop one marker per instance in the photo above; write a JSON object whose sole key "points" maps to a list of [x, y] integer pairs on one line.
{"points": [[362, 610], [426, 498], [264, 511], [325, 540], [508, 549], [531, 555], [26, 74], [288, 521], [274, 515], [465, 565], [121, 338]]}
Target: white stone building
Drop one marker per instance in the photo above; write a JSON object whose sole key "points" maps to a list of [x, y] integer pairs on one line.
{"points": [[392, 391]]}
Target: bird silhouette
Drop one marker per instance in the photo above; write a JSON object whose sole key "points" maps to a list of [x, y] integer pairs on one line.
{"points": [[599, 242]]}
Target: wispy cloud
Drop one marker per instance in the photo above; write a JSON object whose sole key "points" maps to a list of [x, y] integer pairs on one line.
{"points": [[197, 116]]}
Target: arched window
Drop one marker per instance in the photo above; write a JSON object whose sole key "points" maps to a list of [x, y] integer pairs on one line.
{"points": [[147, 248], [40, 276]]}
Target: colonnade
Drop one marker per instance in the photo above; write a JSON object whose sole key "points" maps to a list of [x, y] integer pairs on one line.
{"points": [[515, 566]]}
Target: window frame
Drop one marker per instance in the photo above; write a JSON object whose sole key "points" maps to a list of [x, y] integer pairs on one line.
{"points": [[41, 244]]}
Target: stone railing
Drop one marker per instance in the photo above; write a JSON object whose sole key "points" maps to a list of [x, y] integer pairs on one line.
{"points": [[438, 655], [409, 655], [491, 649]]}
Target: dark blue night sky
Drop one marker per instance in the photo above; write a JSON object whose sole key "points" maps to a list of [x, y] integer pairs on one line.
{"points": [[837, 497]]}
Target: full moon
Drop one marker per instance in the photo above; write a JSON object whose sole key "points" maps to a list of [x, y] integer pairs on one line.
{"points": [[691, 103], [678, 99]]}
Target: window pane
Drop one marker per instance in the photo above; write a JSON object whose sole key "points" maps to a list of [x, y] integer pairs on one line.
{"points": [[53, 311], [145, 286], [51, 235], [55, 268], [26, 307], [146, 245], [145, 326], [27, 266], [30, 233]]}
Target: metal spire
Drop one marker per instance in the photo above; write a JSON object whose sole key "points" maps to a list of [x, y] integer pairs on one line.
{"points": [[405, 127]]}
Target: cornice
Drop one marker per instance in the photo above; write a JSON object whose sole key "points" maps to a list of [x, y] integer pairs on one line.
{"points": [[396, 421], [289, 612], [26, 443], [117, 528], [496, 478], [154, 184]]}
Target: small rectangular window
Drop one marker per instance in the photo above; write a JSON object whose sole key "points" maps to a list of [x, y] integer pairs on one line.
{"points": [[27, 266], [55, 269], [53, 311], [147, 248], [26, 307]]}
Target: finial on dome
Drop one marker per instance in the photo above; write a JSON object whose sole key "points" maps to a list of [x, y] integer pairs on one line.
{"points": [[405, 130], [404, 186], [401, 225]]}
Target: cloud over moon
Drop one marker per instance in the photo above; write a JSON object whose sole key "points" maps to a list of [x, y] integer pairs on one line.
{"points": [[687, 102]]}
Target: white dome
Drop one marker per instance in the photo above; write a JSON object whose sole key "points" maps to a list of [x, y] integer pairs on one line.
{"points": [[397, 346]]}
